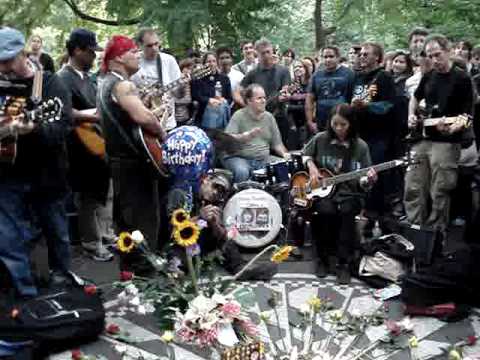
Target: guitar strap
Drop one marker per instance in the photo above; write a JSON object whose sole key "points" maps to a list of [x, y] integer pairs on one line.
{"points": [[159, 69]]}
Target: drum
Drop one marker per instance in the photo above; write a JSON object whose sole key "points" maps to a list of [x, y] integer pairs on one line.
{"points": [[256, 215], [281, 172]]}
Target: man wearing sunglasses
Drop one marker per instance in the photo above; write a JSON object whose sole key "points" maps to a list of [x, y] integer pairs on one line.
{"points": [[155, 66]]}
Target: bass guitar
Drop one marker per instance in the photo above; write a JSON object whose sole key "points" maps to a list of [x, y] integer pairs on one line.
{"points": [[46, 112], [302, 191]]}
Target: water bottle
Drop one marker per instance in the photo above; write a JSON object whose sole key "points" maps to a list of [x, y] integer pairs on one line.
{"points": [[377, 231], [218, 89]]}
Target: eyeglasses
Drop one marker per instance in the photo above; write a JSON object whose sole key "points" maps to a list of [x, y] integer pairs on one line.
{"points": [[152, 44], [363, 54]]}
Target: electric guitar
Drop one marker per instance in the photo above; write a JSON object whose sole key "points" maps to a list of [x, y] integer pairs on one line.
{"points": [[302, 192], [46, 112], [418, 132]]}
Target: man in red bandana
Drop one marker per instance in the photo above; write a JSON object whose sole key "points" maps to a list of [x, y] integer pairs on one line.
{"points": [[136, 200]]}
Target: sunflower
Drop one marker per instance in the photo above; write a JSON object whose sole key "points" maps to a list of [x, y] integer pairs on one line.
{"points": [[282, 254], [186, 234], [179, 216], [125, 242]]}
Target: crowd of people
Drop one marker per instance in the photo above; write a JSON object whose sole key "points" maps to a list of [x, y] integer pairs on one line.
{"points": [[342, 113]]}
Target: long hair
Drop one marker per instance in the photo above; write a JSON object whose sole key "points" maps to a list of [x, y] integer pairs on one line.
{"points": [[347, 112]]}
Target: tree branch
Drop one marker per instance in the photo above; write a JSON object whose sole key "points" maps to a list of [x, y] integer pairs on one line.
{"points": [[72, 5]]}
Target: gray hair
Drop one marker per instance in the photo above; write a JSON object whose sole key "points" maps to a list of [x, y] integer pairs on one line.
{"points": [[440, 39], [263, 42]]}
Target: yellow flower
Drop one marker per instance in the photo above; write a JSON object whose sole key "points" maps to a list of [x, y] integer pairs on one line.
{"points": [[454, 355], [186, 234], [413, 342], [315, 303], [179, 216], [264, 316], [125, 242], [167, 336], [336, 315], [281, 254]]}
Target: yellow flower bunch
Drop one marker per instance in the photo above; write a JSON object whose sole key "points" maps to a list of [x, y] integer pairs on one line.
{"points": [[281, 254], [315, 303], [179, 216]]}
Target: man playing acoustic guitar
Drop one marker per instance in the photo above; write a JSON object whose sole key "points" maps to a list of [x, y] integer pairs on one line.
{"points": [[448, 92], [32, 184], [135, 187]]}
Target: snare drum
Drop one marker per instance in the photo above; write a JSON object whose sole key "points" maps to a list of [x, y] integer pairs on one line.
{"points": [[281, 172], [256, 215]]}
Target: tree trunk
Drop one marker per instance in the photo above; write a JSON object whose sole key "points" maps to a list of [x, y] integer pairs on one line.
{"points": [[321, 32]]}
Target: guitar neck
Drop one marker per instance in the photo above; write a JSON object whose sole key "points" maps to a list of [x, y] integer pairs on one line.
{"points": [[361, 172], [435, 121], [175, 84]]}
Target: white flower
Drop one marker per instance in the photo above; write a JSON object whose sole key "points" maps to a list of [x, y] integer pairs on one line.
{"points": [[407, 324], [355, 313], [137, 236], [135, 301], [141, 310], [131, 289], [149, 308], [304, 309]]}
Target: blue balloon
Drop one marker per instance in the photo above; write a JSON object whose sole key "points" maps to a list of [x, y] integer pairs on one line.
{"points": [[188, 154]]}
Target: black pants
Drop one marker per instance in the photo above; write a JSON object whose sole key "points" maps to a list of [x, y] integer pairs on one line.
{"points": [[333, 228], [136, 199]]}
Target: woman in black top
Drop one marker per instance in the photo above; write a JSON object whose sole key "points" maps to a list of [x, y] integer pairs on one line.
{"points": [[339, 150], [296, 105], [214, 96]]}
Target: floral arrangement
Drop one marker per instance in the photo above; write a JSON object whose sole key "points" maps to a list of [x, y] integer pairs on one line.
{"points": [[192, 305]]}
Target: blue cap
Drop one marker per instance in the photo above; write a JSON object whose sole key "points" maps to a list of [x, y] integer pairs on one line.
{"points": [[84, 39], [12, 42]]}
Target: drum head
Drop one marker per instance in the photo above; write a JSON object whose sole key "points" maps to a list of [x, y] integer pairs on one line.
{"points": [[256, 215]]}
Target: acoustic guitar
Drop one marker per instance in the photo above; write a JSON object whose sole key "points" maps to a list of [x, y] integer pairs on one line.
{"points": [[302, 192], [418, 132], [45, 112], [90, 134]]}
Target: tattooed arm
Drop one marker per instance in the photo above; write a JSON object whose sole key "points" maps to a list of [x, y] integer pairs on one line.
{"points": [[126, 95]]}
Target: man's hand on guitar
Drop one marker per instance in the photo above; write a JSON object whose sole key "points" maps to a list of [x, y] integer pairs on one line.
{"points": [[412, 121], [367, 181], [312, 126], [18, 127]]}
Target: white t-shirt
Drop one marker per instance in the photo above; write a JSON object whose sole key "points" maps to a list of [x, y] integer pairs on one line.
{"points": [[235, 77], [147, 75]]}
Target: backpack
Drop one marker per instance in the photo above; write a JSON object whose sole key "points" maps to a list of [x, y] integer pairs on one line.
{"points": [[54, 322]]}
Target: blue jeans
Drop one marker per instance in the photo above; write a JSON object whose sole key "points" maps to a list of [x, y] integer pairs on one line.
{"points": [[21, 210], [241, 167], [216, 117]]}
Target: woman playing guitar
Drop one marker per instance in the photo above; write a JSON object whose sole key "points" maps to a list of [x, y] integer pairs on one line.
{"points": [[337, 150]]}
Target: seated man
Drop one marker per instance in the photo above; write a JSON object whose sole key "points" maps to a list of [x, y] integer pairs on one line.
{"points": [[258, 132]]}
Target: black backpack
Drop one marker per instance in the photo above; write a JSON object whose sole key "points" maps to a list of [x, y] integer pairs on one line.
{"points": [[54, 322]]}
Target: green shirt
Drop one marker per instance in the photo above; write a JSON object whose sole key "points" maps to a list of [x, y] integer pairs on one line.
{"points": [[259, 147]]}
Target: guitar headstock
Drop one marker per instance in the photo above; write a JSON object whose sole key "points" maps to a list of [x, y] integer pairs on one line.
{"points": [[47, 111], [201, 72], [463, 121], [411, 159]]}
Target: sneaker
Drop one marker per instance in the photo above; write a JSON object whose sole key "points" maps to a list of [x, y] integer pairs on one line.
{"points": [[98, 252], [343, 274], [321, 269]]}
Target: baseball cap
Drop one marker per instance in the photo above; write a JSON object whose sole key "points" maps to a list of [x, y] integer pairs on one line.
{"points": [[84, 38], [12, 42]]}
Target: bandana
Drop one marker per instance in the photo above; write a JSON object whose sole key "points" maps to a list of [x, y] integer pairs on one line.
{"points": [[117, 46]]}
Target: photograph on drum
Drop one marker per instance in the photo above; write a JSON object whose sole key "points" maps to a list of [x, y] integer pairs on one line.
{"points": [[254, 219]]}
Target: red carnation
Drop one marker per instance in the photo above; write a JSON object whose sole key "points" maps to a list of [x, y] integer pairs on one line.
{"points": [[113, 329], [77, 354], [126, 275], [471, 340], [90, 289]]}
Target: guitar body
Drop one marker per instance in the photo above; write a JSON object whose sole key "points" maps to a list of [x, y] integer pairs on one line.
{"points": [[152, 148], [90, 137], [302, 192]]}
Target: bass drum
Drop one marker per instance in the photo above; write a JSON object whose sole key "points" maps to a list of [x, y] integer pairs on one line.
{"points": [[256, 215]]}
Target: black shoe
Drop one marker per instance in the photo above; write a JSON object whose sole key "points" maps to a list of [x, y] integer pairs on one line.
{"points": [[260, 271], [343, 274], [321, 269], [59, 280]]}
